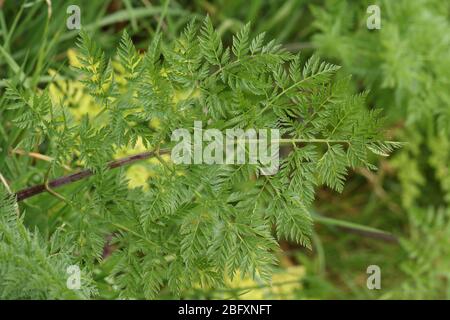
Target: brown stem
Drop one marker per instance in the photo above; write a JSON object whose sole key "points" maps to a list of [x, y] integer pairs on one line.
{"points": [[58, 182]]}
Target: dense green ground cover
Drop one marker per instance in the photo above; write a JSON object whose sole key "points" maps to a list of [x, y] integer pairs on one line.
{"points": [[402, 70]]}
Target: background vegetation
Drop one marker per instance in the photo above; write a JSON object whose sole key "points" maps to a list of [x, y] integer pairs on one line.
{"points": [[404, 66]]}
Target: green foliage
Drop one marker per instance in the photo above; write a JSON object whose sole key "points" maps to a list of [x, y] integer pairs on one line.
{"points": [[31, 267], [406, 66], [406, 77], [197, 224], [427, 264]]}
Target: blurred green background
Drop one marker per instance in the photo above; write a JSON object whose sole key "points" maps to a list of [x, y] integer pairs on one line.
{"points": [[405, 65]]}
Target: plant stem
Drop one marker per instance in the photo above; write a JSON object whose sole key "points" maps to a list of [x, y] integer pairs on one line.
{"points": [[32, 191], [356, 228], [347, 226], [38, 156], [5, 183], [312, 141]]}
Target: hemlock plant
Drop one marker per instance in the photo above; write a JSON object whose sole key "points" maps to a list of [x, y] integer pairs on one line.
{"points": [[195, 225]]}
